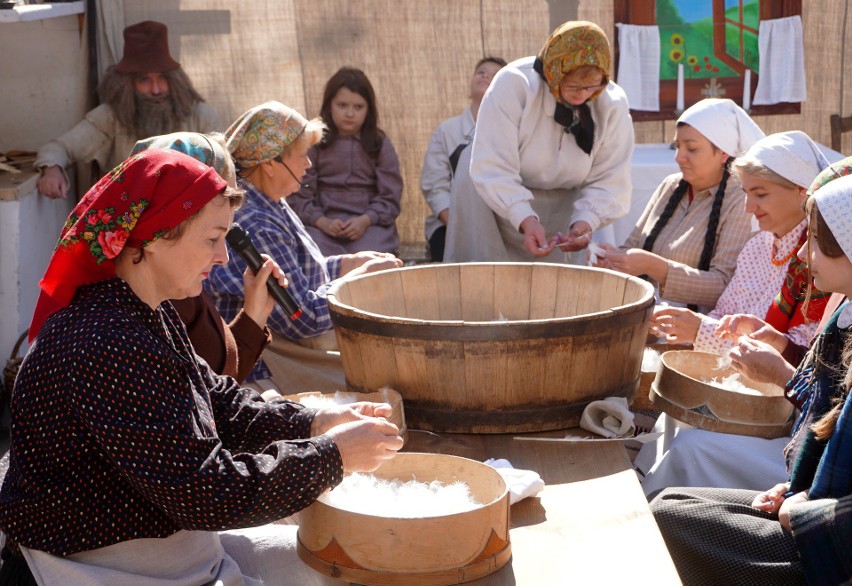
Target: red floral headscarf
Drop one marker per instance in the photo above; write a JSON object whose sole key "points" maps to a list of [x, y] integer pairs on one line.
{"points": [[134, 204]]}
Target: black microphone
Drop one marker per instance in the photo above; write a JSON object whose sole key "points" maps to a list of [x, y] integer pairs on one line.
{"points": [[241, 242], [286, 166]]}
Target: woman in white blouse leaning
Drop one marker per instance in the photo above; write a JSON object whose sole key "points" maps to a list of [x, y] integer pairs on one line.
{"points": [[551, 157]]}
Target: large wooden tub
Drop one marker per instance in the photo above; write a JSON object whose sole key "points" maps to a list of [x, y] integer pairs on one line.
{"points": [[493, 347]]}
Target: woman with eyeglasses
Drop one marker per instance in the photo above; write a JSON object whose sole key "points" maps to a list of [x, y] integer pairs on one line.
{"points": [[270, 144], [551, 155]]}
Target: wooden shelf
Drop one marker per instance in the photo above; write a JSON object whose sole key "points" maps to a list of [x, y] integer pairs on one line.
{"points": [[32, 12]]}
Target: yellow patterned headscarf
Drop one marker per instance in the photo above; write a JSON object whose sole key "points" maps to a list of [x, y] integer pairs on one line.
{"points": [[263, 132], [572, 45]]}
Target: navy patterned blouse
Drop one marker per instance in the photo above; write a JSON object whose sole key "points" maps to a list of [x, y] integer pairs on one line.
{"points": [[119, 433]]}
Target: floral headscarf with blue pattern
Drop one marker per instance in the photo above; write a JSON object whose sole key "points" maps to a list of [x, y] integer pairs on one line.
{"points": [[841, 168], [133, 205], [262, 133], [196, 145]]}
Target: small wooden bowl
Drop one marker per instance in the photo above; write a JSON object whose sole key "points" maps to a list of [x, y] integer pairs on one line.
{"points": [[680, 389], [448, 549]]}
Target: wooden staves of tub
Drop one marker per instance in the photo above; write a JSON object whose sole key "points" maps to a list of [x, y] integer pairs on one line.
{"points": [[493, 347]]}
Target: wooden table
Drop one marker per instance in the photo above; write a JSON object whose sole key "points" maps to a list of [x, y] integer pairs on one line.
{"points": [[590, 525]]}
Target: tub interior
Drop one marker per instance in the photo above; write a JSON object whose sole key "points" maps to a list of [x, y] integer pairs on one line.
{"points": [[491, 292]]}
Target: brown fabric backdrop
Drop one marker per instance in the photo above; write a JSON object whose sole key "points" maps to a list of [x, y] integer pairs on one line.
{"points": [[419, 57]]}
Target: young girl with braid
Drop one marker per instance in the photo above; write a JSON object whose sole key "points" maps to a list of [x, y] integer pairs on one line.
{"points": [[688, 238]]}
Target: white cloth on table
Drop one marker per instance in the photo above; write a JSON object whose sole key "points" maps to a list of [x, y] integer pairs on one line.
{"points": [[639, 65], [521, 483], [686, 456], [782, 62], [610, 417]]}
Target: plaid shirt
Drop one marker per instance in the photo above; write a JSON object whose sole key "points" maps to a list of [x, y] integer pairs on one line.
{"points": [[277, 231], [822, 526]]}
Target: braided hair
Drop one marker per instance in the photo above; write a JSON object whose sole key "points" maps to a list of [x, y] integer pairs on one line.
{"points": [[712, 223]]}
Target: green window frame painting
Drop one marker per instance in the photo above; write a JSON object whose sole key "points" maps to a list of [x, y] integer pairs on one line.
{"points": [[714, 41]]}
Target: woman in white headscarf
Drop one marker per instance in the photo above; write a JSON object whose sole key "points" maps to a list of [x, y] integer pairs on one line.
{"points": [[770, 282], [688, 238]]}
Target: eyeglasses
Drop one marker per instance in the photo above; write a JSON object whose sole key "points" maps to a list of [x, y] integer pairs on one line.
{"points": [[576, 89]]}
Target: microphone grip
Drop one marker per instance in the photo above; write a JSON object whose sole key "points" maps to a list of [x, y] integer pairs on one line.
{"points": [[241, 242]]}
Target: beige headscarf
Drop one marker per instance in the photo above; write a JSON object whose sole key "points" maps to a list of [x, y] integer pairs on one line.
{"points": [[572, 45]]}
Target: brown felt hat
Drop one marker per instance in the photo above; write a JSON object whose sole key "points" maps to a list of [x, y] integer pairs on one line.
{"points": [[146, 49]]}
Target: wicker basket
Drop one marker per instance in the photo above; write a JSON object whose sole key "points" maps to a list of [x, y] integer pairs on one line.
{"points": [[10, 371]]}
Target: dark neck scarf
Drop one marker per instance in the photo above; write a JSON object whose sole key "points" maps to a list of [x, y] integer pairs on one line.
{"points": [[576, 120], [787, 309]]}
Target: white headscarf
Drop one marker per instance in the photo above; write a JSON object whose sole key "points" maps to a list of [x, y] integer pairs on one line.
{"points": [[724, 124], [792, 155], [834, 201]]}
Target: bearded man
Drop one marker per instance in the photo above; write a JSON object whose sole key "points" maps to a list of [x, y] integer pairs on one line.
{"points": [[145, 94]]}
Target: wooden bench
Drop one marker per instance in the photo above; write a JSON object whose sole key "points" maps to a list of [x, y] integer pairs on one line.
{"points": [[590, 525]]}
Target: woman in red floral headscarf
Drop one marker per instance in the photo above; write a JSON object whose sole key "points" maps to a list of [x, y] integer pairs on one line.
{"points": [[129, 456]]}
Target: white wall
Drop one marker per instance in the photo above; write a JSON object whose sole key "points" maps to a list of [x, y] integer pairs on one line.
{"points": [[29, 228], [42, 80], [42, 95]]}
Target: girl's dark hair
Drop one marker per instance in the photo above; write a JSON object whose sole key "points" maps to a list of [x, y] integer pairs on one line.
{"points": [[826, 242], [828, 245], [354, 80], [712, 223], [824, 427]]}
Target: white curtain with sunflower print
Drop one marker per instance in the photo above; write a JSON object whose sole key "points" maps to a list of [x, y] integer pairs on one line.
{"points": [[639, 65]]}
